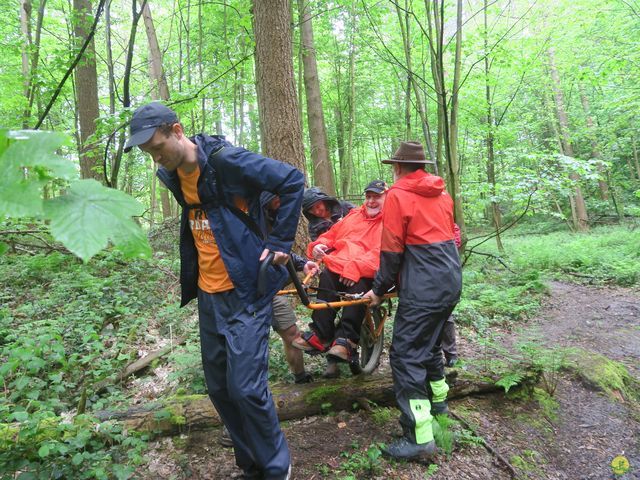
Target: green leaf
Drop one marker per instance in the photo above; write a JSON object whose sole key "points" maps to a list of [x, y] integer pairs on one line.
{"points": [[21, 416], [33, 148], [43, 451], [91, 215], [25, 158], [3, 248], [122, 472], [77, 459]]}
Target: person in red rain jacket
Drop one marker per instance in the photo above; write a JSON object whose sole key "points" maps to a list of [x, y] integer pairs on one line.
{"points": [[419, 256], [350, 250]]}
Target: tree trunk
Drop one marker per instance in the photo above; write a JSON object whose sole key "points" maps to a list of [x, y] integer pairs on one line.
{"points": [[25, 25], [87, 91], [280, 124], [322, 170], [578, 205], [159, 87], [595, 151], [413, 86], [491, 169], [292, 402], [347, 167], [635, 157], [433, 23], [453, 160]]}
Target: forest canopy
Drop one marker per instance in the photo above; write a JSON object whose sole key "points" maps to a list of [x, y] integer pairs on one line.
{"points": [[525, 107]]}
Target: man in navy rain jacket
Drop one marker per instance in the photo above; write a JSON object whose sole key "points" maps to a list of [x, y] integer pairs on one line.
{"points": [[218, 187]]}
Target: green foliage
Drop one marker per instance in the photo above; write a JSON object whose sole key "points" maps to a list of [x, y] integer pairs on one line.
{"points": [[361, 463], [85, 218], [42, 446], [605, 255], [548, 362], [383, 415], [443, 433], [431, 470], [64, 326], [510, 379], [493, 295]]}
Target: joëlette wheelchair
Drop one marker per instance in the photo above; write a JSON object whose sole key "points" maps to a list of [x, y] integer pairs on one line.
{"points": [[372, 331]]}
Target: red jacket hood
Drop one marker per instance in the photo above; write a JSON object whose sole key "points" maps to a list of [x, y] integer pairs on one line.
{"points": [[421, 183]]}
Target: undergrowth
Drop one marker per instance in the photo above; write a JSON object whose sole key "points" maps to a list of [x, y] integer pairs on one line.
{"points": [[64, 326]]}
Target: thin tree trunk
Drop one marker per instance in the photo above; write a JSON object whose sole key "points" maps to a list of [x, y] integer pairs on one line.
{"points": [[578, 205], [595, 151], [635, 157], [25, 25], [322, 171], [159, 88], [347, 172], [413, 84], [491, 172], [86, 76], [434, 51]]}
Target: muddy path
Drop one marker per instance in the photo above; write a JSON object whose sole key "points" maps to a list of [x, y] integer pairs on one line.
{"points": [[574, 434]]}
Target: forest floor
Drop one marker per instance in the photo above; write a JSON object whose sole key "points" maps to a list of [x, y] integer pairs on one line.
{"points": [[574, 434]]}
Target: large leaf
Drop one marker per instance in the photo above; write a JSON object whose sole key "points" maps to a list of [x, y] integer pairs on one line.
{"points": [[90, 216], [27, 161], [19, 197], [38, 149]]}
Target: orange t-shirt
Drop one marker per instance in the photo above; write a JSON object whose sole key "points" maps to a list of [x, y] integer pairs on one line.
{"points": [[212, 274]]}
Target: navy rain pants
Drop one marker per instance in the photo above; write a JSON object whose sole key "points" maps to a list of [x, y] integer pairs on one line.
{"points": [[235, 349]]}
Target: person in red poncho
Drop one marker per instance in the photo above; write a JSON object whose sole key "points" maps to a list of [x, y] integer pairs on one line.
{"points": [[350, 250]]}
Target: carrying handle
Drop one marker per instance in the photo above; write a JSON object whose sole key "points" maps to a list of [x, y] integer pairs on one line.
{"points": [[302, 293], [262, 273]]}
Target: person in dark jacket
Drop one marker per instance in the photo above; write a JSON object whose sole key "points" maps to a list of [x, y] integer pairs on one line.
{"points": [[419, 256], [449, 343], [221, 247], [284, 318], [322, 211]]}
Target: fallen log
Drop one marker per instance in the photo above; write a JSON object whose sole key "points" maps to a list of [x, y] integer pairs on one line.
{"points": [[138, 365], [195, 412]]}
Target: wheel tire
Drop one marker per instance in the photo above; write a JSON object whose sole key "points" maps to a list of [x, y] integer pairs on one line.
{"points": [[370, 345]]}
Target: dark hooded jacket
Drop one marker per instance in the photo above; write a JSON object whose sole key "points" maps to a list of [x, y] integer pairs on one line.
{"points": [[317, 225], [418, 252], [243, 174], [270, 217]]}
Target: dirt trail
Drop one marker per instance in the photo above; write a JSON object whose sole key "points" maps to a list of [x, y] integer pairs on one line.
{"points": [[576, 435]]}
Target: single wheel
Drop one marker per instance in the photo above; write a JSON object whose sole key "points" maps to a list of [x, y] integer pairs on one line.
{"points": [[372, 338]]}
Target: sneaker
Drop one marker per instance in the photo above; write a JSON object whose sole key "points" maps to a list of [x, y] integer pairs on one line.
{"points": [[310, 343], [343, 350], [439, 408], [304, 377], [225, 438], [404, 449]]}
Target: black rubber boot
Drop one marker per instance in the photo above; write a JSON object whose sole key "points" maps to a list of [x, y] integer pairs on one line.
{"points": [[404, 449]]}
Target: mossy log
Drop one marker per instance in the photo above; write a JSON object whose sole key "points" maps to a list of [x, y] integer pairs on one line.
{"points": [[183, 414]]}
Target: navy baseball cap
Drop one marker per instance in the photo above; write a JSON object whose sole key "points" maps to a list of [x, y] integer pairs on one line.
{"points": [[377, 186], [145, 120]]}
